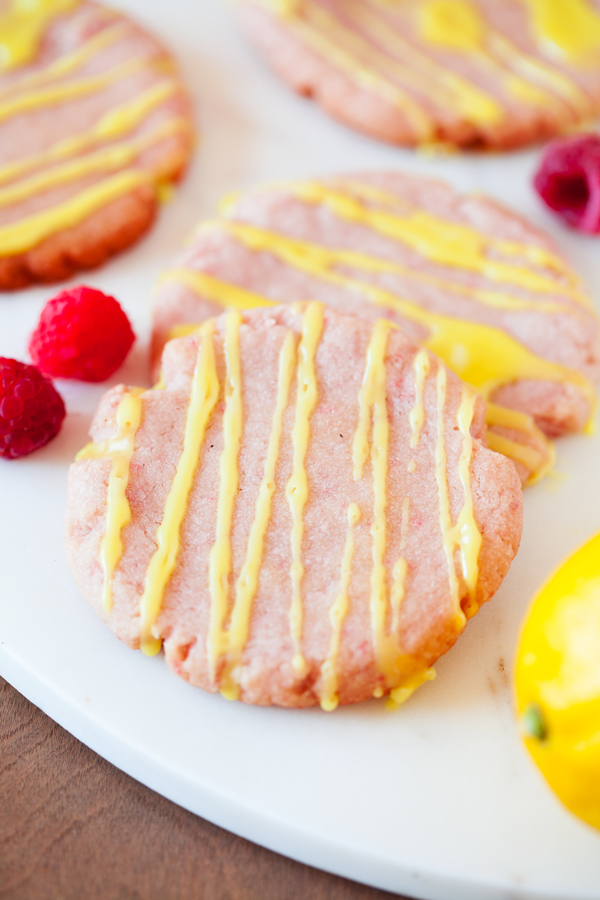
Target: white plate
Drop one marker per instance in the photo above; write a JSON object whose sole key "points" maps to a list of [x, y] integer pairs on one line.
{"points": [[437, 800]]}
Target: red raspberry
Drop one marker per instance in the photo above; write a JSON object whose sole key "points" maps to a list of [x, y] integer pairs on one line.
{"points": [[82, 333], [31, 409], [568, 181]]}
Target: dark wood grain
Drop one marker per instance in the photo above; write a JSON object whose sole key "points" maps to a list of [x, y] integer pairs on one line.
{"points": [[72, 827]]}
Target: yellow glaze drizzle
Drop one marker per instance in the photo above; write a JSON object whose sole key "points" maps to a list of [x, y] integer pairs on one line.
{"points": [[297, 486], [440, 241], [26, 233], [125, 118], [114, 124], [370, 44], [400, 694], [540, 73], [487, 357], [283, 8], [446, 528], [510, 418], [484, 356], [337, 617], [220, 554], [539, 462], [373, 412], [567, 29], [463, 536], [347, 49], [22, 28], [204, 395], [226, 295], [421, 365], [466, 530], [529, 456], [452, 23], [69, 62], [342, 52], [404, 85], [165, 191], [420, 72], [291, 250], [109, 159], [179, 331], [119, 450], [534, 253], [82, 155], [457, 25], [402, 676], [247, 583], [70, 90]]}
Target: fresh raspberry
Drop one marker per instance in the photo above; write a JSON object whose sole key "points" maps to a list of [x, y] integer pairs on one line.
{"points": [[31, 409], [82, 333], [568, 181]]}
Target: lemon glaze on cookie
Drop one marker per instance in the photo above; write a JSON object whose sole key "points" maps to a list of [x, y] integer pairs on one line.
{"points": [[445, 71], [79, 171], [297, 487], [237, 634], [118, 513], [481, 364], [337, 614], [220, 555], [230, 620], [22, 28], [570, 28], [205, 392], [484, 356], [520, 277]]}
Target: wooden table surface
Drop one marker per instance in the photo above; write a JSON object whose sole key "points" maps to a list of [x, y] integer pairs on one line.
{"points": [[72, 827]]}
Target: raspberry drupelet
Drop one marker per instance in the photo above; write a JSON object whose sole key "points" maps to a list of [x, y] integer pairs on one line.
{"points": [[568, 181], [31, 409], [83, 334]]}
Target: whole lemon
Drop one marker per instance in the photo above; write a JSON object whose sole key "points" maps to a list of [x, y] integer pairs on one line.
{"points": [[558, 682]]}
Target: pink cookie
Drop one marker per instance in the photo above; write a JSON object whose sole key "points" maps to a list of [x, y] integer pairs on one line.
{"points": [[473, 281], [306, 513], [94, 125], [466, 73]]}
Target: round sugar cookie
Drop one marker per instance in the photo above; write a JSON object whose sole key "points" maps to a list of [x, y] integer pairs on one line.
{"points": [[94, 127], [305, 511], [471, 280], [465, 73]]}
